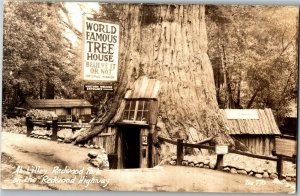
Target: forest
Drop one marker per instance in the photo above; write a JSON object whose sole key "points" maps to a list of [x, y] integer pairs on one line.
{"points": [[252, 50]]}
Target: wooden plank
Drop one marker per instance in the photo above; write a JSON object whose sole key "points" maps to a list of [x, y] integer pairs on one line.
{"points": [[285, 147], [253, 155], [279, 167], [167, 140], [153, 110], [179, 151], [219, 164], [29, 125], [54, 130]]}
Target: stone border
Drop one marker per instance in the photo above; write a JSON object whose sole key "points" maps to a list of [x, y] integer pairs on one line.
{"points": [[231, 169]]}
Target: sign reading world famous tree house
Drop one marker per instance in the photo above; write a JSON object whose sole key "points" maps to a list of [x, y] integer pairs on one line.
{"points": [[100, 51]]}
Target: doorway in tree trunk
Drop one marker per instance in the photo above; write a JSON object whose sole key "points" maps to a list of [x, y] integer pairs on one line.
{"points": [[131, 146]]}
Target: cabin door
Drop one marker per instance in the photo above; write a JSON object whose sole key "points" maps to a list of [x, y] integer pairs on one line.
{"points": [[131, 147]]}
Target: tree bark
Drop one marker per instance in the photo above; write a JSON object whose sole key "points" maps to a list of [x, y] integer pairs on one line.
{"points": [[172, 47]]}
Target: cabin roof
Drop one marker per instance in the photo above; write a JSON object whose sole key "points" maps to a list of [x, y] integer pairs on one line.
{"points": [[264, 124], [144, 88], [58, 103]]}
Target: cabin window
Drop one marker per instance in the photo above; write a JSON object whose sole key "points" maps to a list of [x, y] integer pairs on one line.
{"points": [[136, 111]]}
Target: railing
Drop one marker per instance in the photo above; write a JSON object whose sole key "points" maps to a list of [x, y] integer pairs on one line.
{"points": [[30, 123], [219, 164]]}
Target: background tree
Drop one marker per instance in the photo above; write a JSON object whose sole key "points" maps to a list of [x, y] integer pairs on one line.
{"points": [[253, 50], [38, 60]]}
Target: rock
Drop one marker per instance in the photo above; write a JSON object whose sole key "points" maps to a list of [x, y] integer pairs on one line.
{"points": [[206, 162], [233, 171], [41, 137], [206, 166], [276, 181], [269, 171], [86, 146], [92, 154], [91, 146], [258, 176], [96, 146], [45, 137], [288, 178], [197, 165], [283, 181], [59, 140], [186, 158], [192, 164], [265, 175], [80, 145], [211, 165], [251, 173], [273, 176], [227, 169], [172, 162], [241, 171], [101, 161], [77, 133], [65, 134], [260, 171], [201, 165], [39, 132], [67, 140], [173, 158], [247, 169], [185, 163]]}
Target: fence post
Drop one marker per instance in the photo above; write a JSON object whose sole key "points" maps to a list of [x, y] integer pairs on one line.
{"points": [[279, 167], [54, 129], [179, 151], [150, 143], [29, 125], [219, 163], [72, 127]]}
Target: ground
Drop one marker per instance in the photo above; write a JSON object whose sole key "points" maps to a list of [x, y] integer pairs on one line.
{"points": [[21, 151]]}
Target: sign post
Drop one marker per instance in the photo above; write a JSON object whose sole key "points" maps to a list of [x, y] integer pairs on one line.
{"points": [[220, 151]]}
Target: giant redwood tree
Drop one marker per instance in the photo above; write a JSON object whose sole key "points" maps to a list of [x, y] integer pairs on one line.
{"points": [[168, 43]]}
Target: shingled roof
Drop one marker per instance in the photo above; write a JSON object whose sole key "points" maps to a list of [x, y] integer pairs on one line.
{"points": [[263, 125], [58, 103], [144, 88]]}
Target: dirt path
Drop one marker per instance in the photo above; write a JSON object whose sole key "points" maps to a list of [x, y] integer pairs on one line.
{"points": [[18, 150]]}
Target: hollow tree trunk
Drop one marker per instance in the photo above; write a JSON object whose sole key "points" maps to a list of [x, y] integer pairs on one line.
{"points": [[171, 42]]}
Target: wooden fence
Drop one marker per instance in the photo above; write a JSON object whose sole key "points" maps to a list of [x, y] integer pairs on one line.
{"points": [[54, 124], [219, 163], [105, 139]]}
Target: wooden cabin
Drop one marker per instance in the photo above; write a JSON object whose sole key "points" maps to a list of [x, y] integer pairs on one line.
{"points": [[129, 135], [67, 110], [289, 125], [256, 128]]}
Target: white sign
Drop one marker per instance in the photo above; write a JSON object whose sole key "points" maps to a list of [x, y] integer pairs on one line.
{"points": [[241, 114], [100, 51], [221, 149]]}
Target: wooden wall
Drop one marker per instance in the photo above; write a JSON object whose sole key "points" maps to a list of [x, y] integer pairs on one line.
{"points": [[106, 139], [258, 144]]}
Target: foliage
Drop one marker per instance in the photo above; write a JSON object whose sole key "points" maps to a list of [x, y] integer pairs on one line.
{"points": [[37, 57], [253, 50], [40, 114]]}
